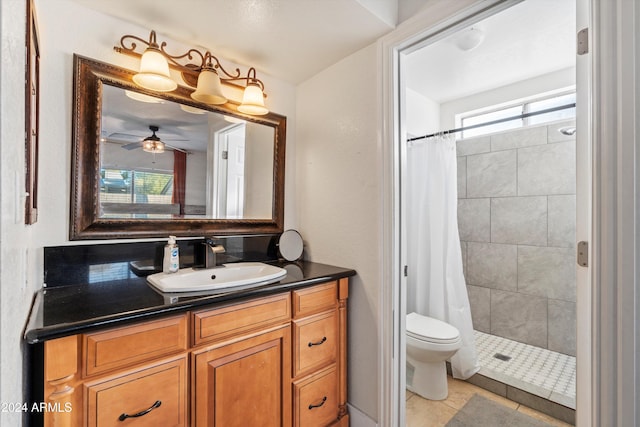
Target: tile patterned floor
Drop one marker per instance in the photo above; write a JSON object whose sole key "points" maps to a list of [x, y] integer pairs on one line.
{"points": [[437, 413], [538, 371]]}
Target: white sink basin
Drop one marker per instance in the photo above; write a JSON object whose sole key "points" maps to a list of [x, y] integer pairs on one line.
{"points": [[229, 276]]}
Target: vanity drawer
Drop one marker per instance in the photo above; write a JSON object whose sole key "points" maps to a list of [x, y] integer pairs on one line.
{"points": [[315, 399], [315, 342], [315, 299], [160, 389], [220, 323], [129, 345]]}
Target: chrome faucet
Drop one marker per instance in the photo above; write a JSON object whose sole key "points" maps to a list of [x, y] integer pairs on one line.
{"points": [[211, 249]]}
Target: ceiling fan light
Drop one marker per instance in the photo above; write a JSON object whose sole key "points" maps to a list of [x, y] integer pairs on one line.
{"points": [[253, 101], [153, 146], [209, 89], [154, 72]]}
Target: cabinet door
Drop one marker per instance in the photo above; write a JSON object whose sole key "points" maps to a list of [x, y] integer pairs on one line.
{"points": [[151, 396], [244, 383]]}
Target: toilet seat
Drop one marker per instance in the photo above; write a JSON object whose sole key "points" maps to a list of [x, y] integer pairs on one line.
{"points": [[428, 329]]}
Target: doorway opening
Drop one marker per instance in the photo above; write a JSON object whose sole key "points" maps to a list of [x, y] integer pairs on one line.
{"points": [[517, 191]]}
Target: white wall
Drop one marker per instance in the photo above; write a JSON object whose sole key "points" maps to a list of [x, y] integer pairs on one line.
{"points": [[17, 255], [523, 89], [422, 114], [339, 200], [65, 28]]}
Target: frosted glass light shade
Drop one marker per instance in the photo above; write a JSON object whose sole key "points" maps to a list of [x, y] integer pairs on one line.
{"points": [[154, 72], [253, 101], [209, 89], [190, 109], [142, 97], [153, 146]]}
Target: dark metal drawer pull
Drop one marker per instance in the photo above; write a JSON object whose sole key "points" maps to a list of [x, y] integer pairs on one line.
{"points": [[324, 399], [311, 344], [139, 414]]}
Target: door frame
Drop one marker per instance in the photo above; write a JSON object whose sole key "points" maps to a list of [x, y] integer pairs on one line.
{"points": [[439, 20]]}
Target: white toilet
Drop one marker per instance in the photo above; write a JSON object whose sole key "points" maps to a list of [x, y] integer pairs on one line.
{"points": [[430, 342]]}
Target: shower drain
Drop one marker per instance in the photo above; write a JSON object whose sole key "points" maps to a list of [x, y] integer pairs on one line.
{"points": [[502, 357]]}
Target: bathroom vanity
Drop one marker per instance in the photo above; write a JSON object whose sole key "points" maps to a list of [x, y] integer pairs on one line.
{"points": [[118, 352], [106, 348]]}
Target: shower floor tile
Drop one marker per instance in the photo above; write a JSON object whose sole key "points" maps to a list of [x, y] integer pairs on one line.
{"points": [[542, 372]]}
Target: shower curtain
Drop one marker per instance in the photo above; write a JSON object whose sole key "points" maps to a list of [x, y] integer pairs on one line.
{"points": [[436, 284]]}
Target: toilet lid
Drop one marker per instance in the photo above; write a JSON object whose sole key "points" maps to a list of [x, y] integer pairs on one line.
{"points": [[429, 329]]}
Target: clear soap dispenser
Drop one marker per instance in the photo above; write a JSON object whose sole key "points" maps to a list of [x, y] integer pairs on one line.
{"points": [[171, 261]]}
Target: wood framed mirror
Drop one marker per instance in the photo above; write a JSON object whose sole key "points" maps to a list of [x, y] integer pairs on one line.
{"points": [[216, 171]]}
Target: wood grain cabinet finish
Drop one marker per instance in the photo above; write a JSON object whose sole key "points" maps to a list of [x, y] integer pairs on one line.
{"points": [[315, 299], [244, 383], [315, 399], [315, 342], [216, 324], [155, 395], [278, 360], [320, 355], [123, 347]]}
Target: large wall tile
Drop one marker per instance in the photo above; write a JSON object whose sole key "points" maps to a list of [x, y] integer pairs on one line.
{"points": [[554, 134], [481, 144], [474, 220], [547, 169], [525, 137], [480, 302], [519, 317], [492, 174], [493, 266], [548, 272], [519, 220], [462, 177], [562, 221], [562, 326]]}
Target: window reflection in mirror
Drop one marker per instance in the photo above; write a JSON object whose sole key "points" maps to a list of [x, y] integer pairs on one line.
{"points": [[208, 165]]}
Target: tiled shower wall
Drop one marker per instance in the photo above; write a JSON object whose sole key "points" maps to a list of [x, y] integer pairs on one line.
{"points": [[516, 215]]}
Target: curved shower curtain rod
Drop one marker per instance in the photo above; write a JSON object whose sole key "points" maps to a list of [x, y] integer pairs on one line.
{"points": [[493, 122]]}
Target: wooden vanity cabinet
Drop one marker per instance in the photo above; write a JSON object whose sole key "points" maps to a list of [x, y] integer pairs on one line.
{"points": [[319, 355], [98, 378], [242, 374], [278, 360], [245, 382]]}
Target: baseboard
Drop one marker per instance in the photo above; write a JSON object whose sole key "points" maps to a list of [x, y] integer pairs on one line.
{"points": [[359, 418]]}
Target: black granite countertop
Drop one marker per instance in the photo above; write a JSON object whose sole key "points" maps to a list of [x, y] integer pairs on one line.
{"points": [[67, 310]]}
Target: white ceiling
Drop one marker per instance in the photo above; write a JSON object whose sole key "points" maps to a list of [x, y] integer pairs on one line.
{"points": [[530, 39], [295, 39], [288, 39]]}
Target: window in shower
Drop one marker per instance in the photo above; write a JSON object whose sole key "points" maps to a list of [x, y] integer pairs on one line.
{"points": [[497, 113]]}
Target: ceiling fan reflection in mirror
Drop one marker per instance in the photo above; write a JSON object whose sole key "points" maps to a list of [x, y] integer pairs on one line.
{"points": [[151, 144]]}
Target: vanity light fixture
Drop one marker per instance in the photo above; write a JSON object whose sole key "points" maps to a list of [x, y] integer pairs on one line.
{"points": [[154, 68], [207, 76], [253, 99]]}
